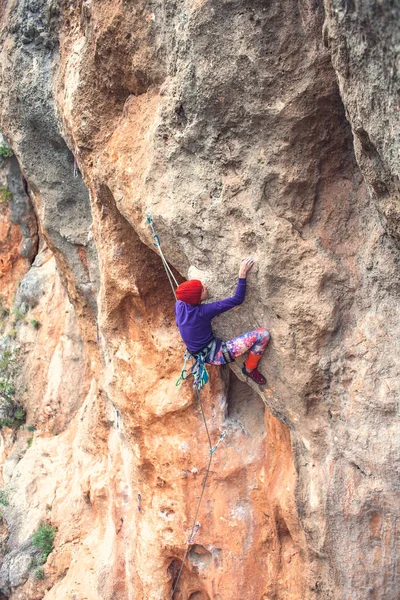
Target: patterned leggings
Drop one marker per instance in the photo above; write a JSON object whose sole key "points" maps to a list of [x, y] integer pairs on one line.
{"points": [[256, 341]]}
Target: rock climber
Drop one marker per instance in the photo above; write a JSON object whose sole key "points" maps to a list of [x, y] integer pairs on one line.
{"points": [[194, 322]]}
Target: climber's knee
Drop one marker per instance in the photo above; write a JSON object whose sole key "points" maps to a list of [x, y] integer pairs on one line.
{"points": [[265, 335]]}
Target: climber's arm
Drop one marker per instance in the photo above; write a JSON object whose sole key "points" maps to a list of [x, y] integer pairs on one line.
{"points": [[216, 308]]}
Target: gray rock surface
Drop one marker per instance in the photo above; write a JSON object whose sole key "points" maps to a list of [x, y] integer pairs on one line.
{"points": [[14, 570], [29, 119], [21, 210], [364, 42], [32, 287]]}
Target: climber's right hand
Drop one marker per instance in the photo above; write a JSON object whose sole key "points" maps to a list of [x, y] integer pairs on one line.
{"points": [[245, 266]]}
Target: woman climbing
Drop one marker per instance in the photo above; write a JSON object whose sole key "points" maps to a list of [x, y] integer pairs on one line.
{"points": [[194, 322]]}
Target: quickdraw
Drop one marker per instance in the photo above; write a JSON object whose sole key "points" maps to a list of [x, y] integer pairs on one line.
{"points": [[185, 374], [221, 437], [196, 529], [157, 243], [198, 371]]}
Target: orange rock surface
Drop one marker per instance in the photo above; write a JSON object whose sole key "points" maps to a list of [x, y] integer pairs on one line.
{"points": [[12, 266]]}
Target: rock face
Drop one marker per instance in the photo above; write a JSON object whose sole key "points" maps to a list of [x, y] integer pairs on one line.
{"points": [[364, 43], [243, 128], [18, 228]]}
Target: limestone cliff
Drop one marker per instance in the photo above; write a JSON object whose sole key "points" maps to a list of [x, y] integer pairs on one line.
{"points": [[243, 127]]}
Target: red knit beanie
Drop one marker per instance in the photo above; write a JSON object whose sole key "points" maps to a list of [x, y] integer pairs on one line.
{"points": [[190, 291]]}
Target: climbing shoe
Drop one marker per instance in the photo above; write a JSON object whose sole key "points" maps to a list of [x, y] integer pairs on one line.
{"points": [[255, 375]]}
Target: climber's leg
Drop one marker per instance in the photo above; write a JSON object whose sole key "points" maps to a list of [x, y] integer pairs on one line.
{"points": [[256, 341]]}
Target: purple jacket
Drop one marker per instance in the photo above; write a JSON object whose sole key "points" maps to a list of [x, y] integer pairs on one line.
{"points": [[194, 322]]}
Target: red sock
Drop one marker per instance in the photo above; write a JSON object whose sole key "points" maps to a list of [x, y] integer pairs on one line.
{"points": [[251, 361]]}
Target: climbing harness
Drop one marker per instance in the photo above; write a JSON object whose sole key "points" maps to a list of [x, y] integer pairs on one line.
{"points": [[157, 244], [198, 370], [200, 379]]}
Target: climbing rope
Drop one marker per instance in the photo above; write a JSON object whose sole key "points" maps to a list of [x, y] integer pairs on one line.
{"points": [[157, 244], [200, 378], [196, 524]]}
